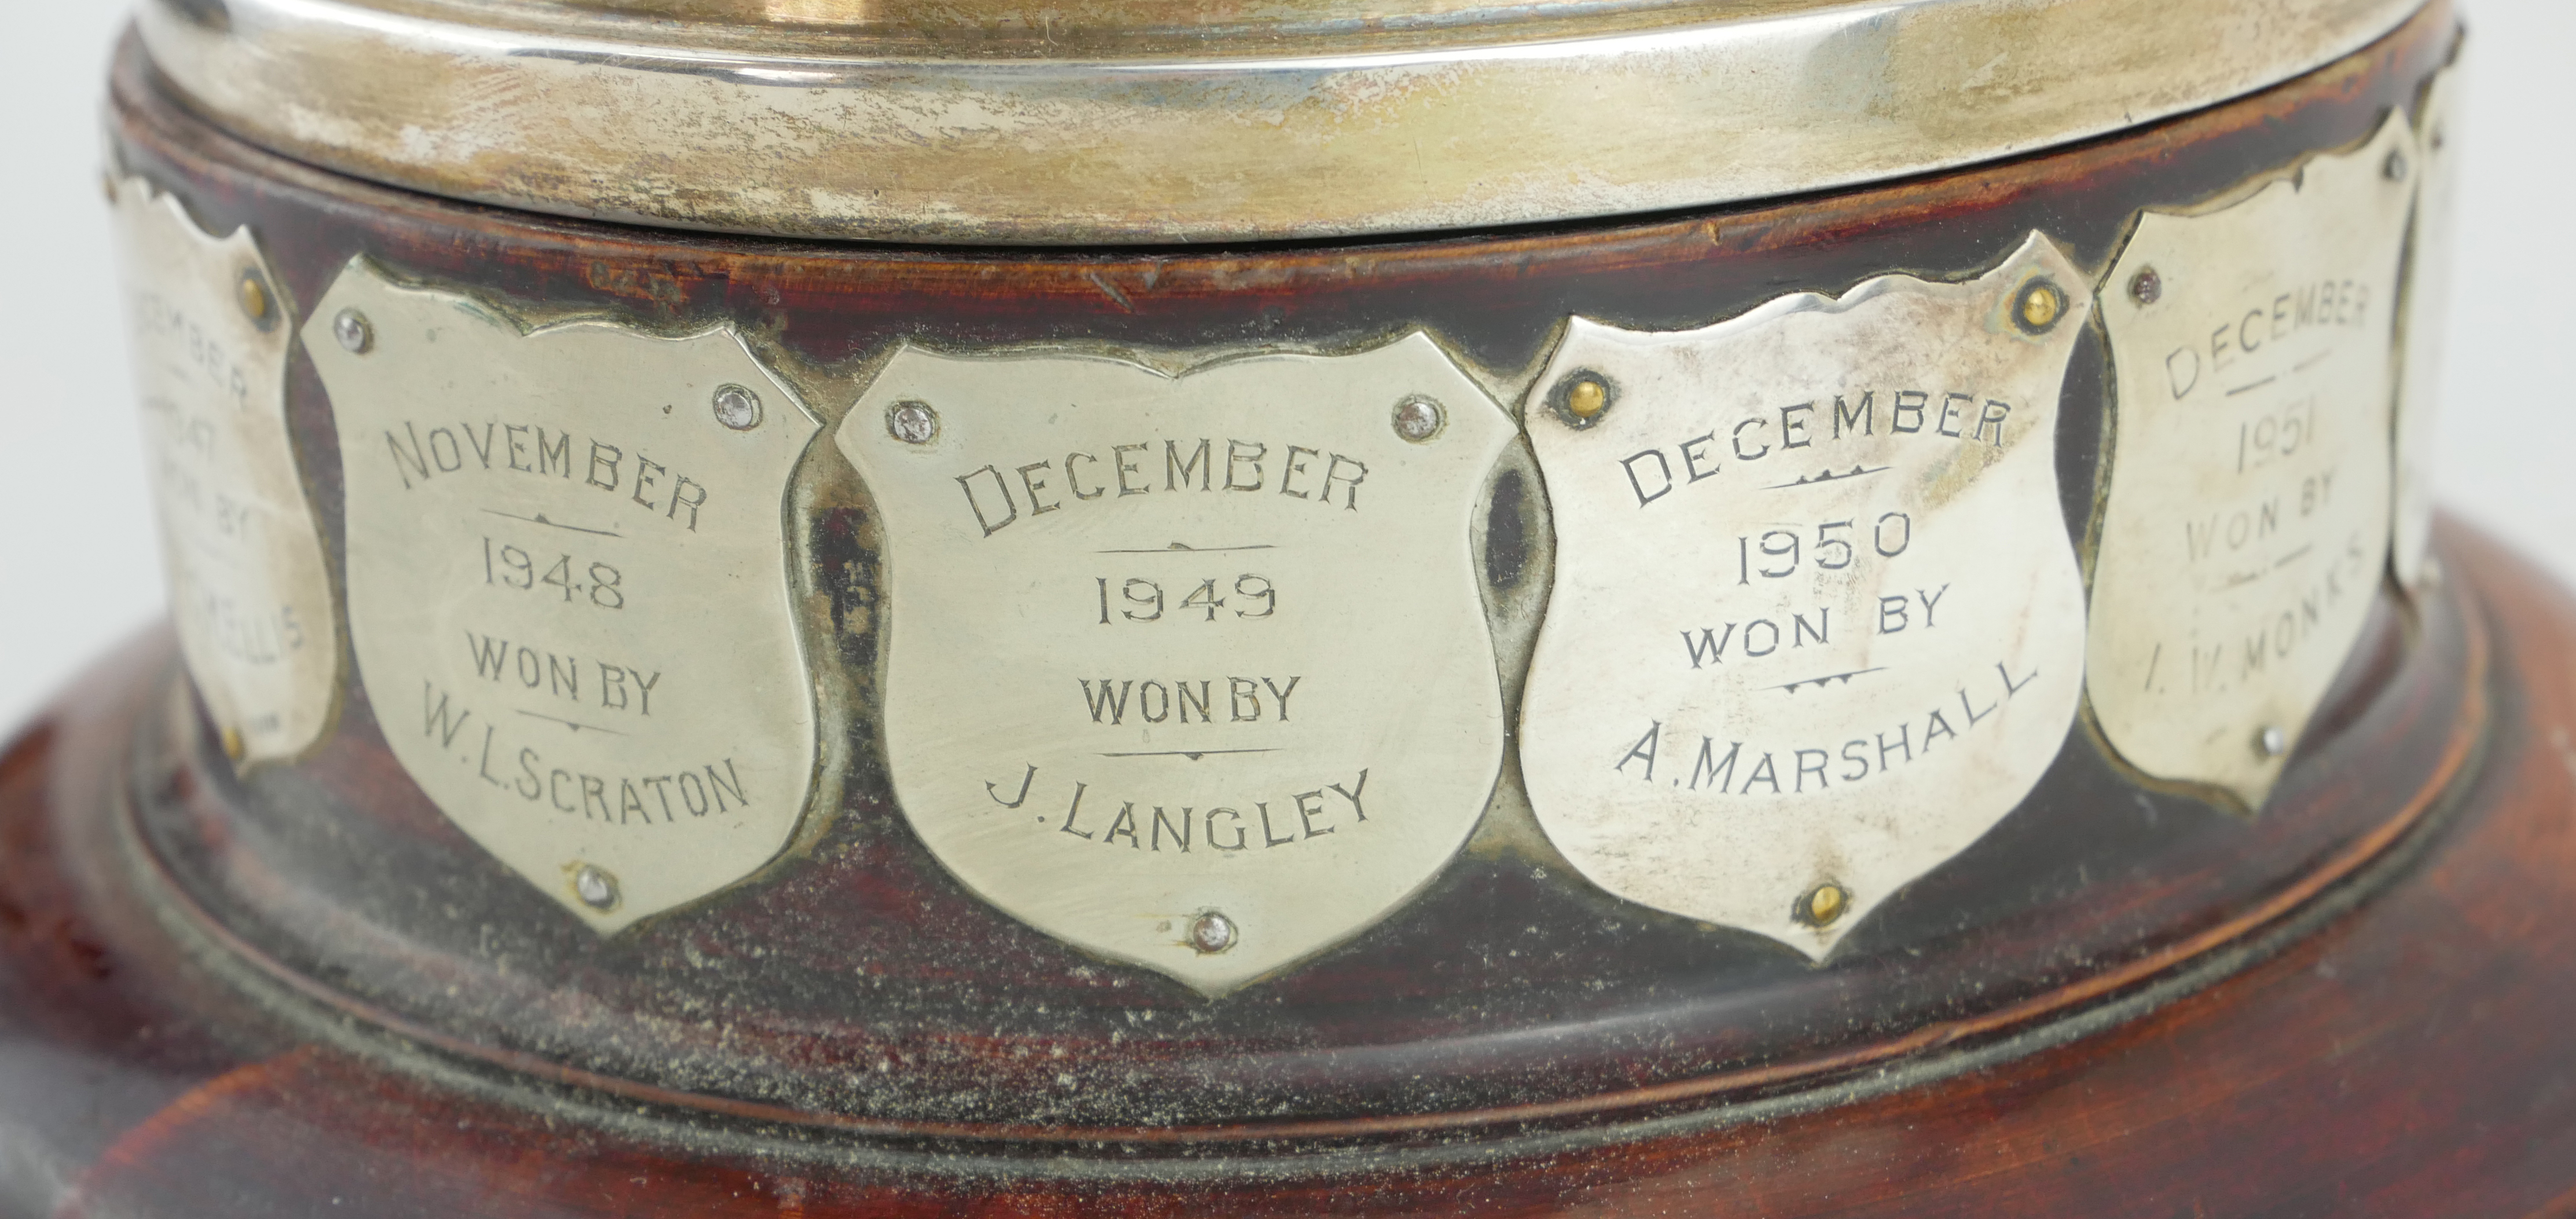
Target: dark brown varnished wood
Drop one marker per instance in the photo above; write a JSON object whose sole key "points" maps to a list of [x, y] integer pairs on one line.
{"points": [[859, 952], [303, 990], [2399, 1047], [854, 987]]}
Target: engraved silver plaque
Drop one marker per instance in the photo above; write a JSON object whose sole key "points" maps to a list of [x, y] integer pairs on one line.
{"points": [[1817, 623], [568, 591], [249, 592], [2428, 313], [2248, 514], [1191, 670]]}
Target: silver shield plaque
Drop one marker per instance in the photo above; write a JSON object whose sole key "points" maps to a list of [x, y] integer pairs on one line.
{"points": [[2247, 520], [249, 594], [1817, 623], [568, 590], [1191, 670], [2428, 313]]}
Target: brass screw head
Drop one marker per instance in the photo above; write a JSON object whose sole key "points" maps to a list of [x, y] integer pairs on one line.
{"points": [[233, 744], [254, 297], [1212, 933], [1823, 904], [2146, 287], [2041, 304], [1584, 397]]}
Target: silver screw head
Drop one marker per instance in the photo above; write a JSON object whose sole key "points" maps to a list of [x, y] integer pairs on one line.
{"points": [[1212, 933], [912, 422], [2146, 287], [356, 336], [2395, 168], [1418, 419], [2272, 742], [737, 408], [595, 887]]}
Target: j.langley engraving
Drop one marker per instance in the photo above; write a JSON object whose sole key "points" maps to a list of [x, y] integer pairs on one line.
{"points": [[1818, 623], [1190, 671], [568, 592], [248, 589], [2248, 514]]}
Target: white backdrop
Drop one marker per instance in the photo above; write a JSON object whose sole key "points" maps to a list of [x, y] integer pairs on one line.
{"points": [[78, 570]]}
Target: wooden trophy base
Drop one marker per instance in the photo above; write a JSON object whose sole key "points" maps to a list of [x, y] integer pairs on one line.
{"points": [[2396, 1043]]}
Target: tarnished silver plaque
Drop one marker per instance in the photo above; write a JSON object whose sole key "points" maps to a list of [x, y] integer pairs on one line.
{"points": [[249, 593], [2248, 513], [568, 590], [2428, 312], [1190, 670], [1817, 623]]}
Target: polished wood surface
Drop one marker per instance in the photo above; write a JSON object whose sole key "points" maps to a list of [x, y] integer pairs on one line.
{"points": [[2400, 1046], [304, 991], [854, 986]]}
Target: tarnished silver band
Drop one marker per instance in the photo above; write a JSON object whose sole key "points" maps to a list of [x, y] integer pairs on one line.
{"points": [[662, 123]]}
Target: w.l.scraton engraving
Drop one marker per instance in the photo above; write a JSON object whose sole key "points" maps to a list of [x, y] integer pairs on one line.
{"points": [[1818, 623], [248, 590], [568, 595], [2248, 514], [1192, 671]]}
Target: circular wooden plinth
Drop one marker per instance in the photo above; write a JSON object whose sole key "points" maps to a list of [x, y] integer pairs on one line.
{"points": [[855, 987], [2395, 1044]]}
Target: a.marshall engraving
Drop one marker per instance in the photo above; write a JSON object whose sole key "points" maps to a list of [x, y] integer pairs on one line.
{"points": [[2248, 514], [568, 593], [248, 590], [1190, 670], [1817, 623]]}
